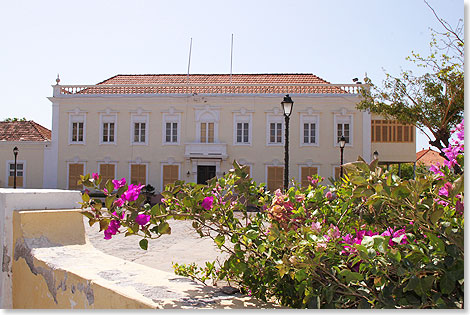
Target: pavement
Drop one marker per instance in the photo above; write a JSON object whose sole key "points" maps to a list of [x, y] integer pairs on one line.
{"points": [[182, 246]]}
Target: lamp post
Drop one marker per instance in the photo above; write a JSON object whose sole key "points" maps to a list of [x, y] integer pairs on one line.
{"points": [[376, 155], [342, 143], [287, 104], [15, 153]]}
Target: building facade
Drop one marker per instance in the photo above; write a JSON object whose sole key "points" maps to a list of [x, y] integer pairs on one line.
{"points": [[32, 140], [155, 129]]}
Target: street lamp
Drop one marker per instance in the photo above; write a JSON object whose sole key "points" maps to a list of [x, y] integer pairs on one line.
{"points": [[376, 155], [287, 105], [15, 153], [342, 143]]}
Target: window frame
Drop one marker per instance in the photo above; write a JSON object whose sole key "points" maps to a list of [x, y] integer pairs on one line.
{"points": [[240, 118], [77, 118], [343, 119], [139, 118], [171, 118], [107, 163], [272, 118], [7, 173], [108, 118], [267, 177], [310, 119]]}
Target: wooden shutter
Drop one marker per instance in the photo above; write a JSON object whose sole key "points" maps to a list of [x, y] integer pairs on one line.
{"points": [[203, 133], [275, 177], [19, 181], [170, 174], [107, 173], [138, 174], [210, 138], [305, 172], [75, 170]]}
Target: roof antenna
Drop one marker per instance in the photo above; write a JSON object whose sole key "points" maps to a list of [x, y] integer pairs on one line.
{"points": [[189, 61], [231, 60]]}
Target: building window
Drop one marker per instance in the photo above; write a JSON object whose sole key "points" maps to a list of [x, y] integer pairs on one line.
{"points": [[139, 129], [242, 132], [20, 169], [170, 174], [305, 172], [207, 132], [171, 125], [108, 129], [337, 172], [242, 129], [343, 127], [107, 172], [275, 133], [139, 132], [310, 136], [75, 170], [171, 132], [77, 128], [391, 131], [139, 174], [309, 130], [275, 177]]}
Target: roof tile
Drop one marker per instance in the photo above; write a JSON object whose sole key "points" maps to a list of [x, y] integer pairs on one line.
{"points": [[23, 131]]}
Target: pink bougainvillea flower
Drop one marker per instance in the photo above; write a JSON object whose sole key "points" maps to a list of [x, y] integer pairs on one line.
{"points": [[444, 190], [113, 229], [329, 195], [132, 192], [436, 169], [459, 207], [207, 203], [300, 198], [142, 219], [333, 232], [441, 202], [119, 202], [316, 226], [119, 183], [95, 176]]}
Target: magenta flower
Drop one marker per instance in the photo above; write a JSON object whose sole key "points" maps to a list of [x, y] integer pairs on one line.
{"points": [[207, 203], [95, 176], [142, 219], [300, 198], [119, 202], [132, 193], [113, 229], [459, 207], [316, 226], [436, 169], [441, 202], [119, 183], [333, 232], [444, 190], [329, 195]]}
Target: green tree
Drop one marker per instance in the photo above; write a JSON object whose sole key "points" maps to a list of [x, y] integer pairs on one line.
{"points": [[432, 102], [14, 119]]}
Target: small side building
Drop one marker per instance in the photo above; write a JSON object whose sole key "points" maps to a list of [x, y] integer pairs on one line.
{"points": [[32, 140], [429, 157]]}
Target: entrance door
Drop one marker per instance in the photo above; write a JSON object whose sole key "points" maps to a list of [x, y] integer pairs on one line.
{"points": [[204, 173]]}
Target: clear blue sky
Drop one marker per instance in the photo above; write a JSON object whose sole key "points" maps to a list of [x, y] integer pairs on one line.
{"points": [[89, 41]]}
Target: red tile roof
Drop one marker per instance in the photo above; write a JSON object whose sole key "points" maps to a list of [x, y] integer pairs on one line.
{"points": [[212, 84], [23, 131], [429, 157]]}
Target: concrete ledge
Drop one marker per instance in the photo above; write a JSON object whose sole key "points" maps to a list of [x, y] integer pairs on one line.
{"points": [[53, 266]]}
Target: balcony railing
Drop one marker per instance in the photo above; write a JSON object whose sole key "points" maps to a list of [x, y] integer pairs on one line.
{"points": [[206, 150], [115, 89]]}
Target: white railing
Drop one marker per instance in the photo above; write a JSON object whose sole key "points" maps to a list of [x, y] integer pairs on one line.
{"points": [[206, 150], [299, 88]]}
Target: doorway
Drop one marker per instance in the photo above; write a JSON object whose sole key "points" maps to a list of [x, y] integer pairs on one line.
{"points": [[204, 173]]}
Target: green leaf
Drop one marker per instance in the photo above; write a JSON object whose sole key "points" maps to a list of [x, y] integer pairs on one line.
{"points": [[155, 210], [367, 241], [144, 244], [300, 275], [85, 197], [351, 276], [89, 215], [252, 234], [104, 224], [109, 186], [437, 243], [164, 228], [447, 283], [108, 202], [220, 240], [436, 215]]}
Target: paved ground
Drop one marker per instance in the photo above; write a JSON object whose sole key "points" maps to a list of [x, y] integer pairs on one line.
{"points": [[183, 246]]}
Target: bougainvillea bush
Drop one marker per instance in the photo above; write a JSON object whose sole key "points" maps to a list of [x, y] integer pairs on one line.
{"points": [[370, 241]]}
